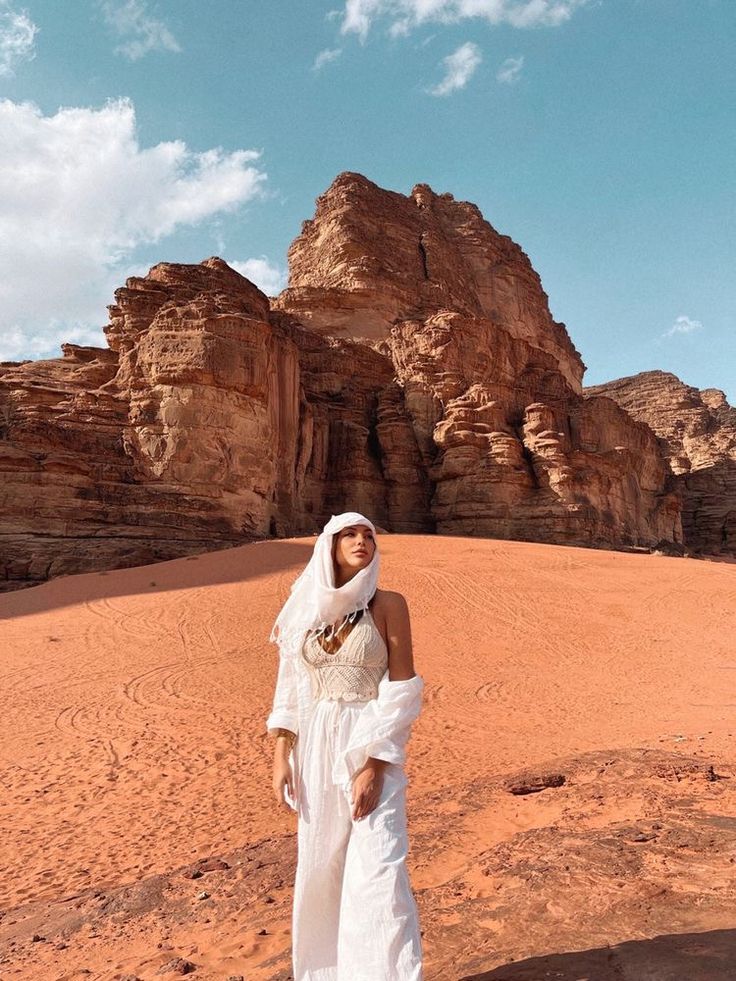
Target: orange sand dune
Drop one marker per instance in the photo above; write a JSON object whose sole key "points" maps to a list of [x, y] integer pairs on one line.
{"points": [[134, 747]]}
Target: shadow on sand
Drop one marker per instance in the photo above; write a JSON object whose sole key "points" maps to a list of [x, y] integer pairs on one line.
{"points": [[242, 563], [679, 957]]}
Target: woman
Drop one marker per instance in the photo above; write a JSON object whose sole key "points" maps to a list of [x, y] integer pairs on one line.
{"points": [[346, 697]]}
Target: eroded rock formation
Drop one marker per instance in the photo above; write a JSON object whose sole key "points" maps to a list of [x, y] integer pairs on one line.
{"points": [[411, 370], [371, 258], [697, 432], [491, 383]]}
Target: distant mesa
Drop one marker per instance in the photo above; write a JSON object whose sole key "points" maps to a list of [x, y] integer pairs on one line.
{"points": [[411, 369], [697, 436]]}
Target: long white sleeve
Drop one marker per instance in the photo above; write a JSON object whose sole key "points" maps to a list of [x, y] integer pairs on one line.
{"points": [[383, 727], [284, 712]]}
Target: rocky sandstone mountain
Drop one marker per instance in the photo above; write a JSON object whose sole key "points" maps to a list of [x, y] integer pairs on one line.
{"points": [[372, 258], [411, 369], [697, 432]]}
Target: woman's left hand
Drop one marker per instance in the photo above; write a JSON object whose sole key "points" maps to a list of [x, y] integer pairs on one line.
{"points": [[366, 788]]}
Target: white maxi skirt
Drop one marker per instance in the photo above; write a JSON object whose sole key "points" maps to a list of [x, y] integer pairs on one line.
{"points": [[354, 915]]}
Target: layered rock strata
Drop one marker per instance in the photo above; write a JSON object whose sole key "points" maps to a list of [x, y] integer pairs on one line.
{"points": [[371, 258], [697, 433], [411, 370], [491, 383], [210, 421]]}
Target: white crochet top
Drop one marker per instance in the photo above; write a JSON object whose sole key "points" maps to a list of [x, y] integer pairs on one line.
{"points": [[354, 670]]}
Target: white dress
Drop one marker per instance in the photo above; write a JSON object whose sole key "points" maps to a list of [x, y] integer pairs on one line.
{"points": [[354, 915]]}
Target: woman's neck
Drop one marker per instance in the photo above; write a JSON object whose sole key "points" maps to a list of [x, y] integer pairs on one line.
{"points": [[341, 578]]}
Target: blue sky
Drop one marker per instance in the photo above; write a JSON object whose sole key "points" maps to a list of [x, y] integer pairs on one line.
{"points": [[599, 134]]}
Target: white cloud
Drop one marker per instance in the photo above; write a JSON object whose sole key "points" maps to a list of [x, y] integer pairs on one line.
{"points": [[131, 19], [683, 325], [18, 345], [17, 38], [400, 28], [360, 15], [459, 68], [266, 275], [510, 70], [325, 57], [78, 194]]}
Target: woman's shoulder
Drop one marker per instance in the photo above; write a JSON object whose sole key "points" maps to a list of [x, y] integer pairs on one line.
{"points": [[388, 601]]}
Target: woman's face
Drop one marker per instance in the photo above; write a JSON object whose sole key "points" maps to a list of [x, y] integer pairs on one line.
{"points": [[355, 547]]}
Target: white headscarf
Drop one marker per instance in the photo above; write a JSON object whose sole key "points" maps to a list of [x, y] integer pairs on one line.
{"points": [[315, 602]]}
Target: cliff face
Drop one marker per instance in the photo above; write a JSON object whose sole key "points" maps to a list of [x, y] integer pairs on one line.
{"points": [[513, 452], [371, 258], [411, 370], [491, 383], [208, 422], [697, 433], [148, 450]]}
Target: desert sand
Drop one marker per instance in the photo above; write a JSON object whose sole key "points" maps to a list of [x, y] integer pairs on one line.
{"points": [[572, 775]]}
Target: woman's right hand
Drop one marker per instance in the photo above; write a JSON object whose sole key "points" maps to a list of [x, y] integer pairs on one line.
{"points": [[283, 778]]}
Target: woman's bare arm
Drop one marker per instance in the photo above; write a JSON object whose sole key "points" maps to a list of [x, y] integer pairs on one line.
{"points": [[398, 637]]}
